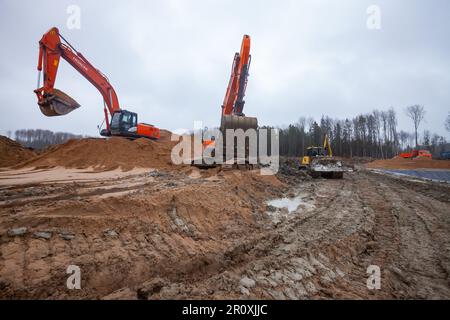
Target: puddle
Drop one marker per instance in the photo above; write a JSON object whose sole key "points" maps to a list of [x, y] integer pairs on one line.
{"points": [[285, 207], [291, 204]]}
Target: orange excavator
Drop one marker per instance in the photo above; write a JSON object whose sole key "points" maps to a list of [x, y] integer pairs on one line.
{"points": [[54, 102], [233, 106], [232, 116]]}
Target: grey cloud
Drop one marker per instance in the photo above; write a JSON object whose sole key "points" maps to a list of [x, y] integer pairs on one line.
{"points": [[170, 60]]}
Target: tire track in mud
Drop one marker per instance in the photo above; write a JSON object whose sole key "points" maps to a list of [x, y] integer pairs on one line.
{"points": [[325, 253], [383, 243], [145, 245], [423, 262], [286, 263], [41, 194]]}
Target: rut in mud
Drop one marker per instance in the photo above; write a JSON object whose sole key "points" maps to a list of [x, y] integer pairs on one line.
{"points": [[324, 251], [212, 234]]}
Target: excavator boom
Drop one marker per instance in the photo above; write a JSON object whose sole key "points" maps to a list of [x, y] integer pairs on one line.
{"points": [[327, 146], [234, 96], [233, 104]]}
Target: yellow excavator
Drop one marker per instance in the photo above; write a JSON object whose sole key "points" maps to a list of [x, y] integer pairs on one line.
{"points": [[319, 162]]}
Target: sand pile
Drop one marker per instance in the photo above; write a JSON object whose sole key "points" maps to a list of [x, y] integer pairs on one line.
{"points": [[12, 152], [107, 154], [417, 163]]}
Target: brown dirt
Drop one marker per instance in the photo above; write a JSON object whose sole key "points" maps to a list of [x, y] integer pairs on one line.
{"points": [[107, 154], [174, 232], [166, 223], [12, 152], [401, 163], [165, 234]]}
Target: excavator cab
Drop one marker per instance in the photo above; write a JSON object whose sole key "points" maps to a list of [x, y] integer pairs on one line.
{"points": [[311, 152], [123, 123], [314, 151]]}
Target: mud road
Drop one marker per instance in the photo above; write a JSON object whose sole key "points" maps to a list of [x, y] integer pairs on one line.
{"points": [[214, 234]]}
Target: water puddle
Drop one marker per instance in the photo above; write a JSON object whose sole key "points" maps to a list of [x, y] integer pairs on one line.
{"points": [[291, 204], [283, 207]]}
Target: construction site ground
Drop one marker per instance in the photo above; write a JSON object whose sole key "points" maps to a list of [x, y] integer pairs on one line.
{"points": [[179, 233], [416, 168]]}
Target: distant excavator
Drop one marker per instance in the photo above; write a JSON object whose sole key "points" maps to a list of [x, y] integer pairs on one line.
{"points": [[54, 102], [319, 162], [232, 116]]}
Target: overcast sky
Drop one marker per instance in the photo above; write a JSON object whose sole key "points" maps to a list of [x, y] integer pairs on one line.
{"points": [[170, 61]]}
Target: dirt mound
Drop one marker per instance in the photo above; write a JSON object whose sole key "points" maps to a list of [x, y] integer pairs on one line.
{"points": [[141, 226], [402, 163], [12, 152], [108, 154]]}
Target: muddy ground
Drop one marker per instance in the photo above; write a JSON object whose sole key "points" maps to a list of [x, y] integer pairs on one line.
{"points": [[157, 234]]}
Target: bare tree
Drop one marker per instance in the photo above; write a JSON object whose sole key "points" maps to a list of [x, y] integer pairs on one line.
{"points": [[403, 138], [38, 139], [447, 122], [392, 124], [417, 114], [426, 138]]}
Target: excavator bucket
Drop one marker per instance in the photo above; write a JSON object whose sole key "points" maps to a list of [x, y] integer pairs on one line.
{"points": [[57, 103], [238, 122]]}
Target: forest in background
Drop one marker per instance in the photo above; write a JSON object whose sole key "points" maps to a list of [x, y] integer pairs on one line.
{"points": [[375, 134], [39, 139]]}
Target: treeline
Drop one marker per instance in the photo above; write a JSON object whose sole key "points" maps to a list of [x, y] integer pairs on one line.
{"points": [[373, 134], [39, 139]]}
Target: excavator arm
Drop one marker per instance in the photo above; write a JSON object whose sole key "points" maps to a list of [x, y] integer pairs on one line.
{"points": [[233, 103], [327, 146], [54, 102]]}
